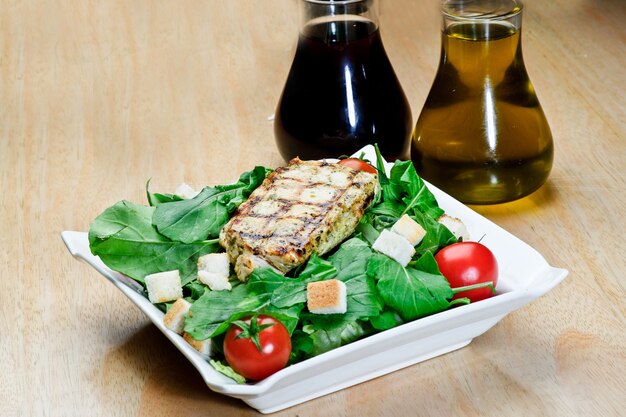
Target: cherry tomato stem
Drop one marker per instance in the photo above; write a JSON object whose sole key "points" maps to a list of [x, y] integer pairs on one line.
{"points": [[475, 286]]}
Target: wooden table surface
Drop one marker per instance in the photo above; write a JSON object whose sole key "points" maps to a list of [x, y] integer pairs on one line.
{"points": [[97, 97]]}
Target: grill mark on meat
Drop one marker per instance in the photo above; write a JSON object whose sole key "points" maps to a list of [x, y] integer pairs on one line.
{"points": [[282, 220]]}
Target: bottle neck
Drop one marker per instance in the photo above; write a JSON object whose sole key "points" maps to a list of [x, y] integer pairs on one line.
{"points": [[488, 18], [335, 16]]}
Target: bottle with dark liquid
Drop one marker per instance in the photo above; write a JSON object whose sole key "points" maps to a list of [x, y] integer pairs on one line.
{"points": [[482, 135], [341, 92]]}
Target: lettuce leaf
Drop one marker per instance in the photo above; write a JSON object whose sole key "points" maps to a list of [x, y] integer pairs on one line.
{"points": [[203, 216], [125, 240], [412, 293]]}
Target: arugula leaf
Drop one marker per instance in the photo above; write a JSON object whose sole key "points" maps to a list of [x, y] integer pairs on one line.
{"points": [[203, 216], [157, 198], [410, 292], [125, 240]]}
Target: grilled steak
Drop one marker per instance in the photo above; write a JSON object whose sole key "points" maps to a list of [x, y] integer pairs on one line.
{"points": [[305, 207]]}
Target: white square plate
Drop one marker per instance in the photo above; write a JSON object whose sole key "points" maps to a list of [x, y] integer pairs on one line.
{"points": [[524, 276]]}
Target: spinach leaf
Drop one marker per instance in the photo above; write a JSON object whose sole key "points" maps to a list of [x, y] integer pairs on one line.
{"points": [[289, 317], [406, 186], [286, 292], [125, 240], [437, 235], [427, 263], [363, 300], [325, 340], [386, 320], [194, 290], [266, 291], [157, 198], [212, 312], [409, 291], [203, 216], [301, 346]]}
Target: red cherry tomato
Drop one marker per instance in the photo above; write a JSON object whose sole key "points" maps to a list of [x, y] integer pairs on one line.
{"points": [[358, 164], [468, 263], [243, 355]]}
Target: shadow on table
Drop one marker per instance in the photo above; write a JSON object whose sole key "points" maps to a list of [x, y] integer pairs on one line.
{"points": [[170, 384]]}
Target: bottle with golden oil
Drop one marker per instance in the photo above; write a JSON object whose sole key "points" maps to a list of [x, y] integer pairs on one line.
{"points": [[482, 135]]}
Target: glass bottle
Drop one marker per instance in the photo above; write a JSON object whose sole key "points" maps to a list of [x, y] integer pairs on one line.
{"points": [[341, 92], [482, 135]]}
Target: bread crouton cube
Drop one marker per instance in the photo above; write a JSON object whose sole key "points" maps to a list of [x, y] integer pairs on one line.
{"points": [[216, 263], [215, 281], [202, 346], [185, 191], [455, 226], [164, 286], [327, 297], [410, 229], [174, 319], [214, 270], [395, 246]]}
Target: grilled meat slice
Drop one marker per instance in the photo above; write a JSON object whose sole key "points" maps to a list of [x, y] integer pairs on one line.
{"points": [[304, 208]]}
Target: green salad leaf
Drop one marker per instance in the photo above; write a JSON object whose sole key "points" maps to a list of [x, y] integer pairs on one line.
{"points": [[125, 240], [325, 340], [224, 369], [363, 301], [213, 311], [409, 291], [388, 319], [158, 198], [203, 216], [437, 235], [407, 187]]}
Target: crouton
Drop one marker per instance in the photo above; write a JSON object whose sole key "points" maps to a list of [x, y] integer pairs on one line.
{"points": [[455, 226], [164, 286], [327, 297], [185, 191], [395, 246], [202, 346], [215, 281], [174, 319], [410, 229], [215, 262], [214, 270]]}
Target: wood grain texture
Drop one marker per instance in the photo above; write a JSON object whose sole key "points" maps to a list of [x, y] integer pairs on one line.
{"points": [[96, 97]]}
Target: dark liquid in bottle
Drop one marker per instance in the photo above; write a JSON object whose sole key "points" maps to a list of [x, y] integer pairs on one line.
{"points": [[482, 135], [342, 94]]}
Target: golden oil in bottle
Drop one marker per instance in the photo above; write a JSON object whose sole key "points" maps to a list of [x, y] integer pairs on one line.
{"points": [[482, 135]]}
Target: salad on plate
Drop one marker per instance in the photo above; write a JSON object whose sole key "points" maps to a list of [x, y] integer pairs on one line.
{"points": [[287, 264]]}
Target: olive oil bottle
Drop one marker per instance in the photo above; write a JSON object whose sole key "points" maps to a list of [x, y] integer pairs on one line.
{"points": [[482, 135]]}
